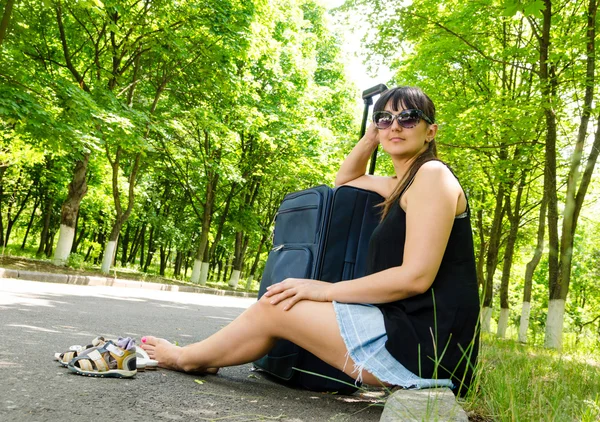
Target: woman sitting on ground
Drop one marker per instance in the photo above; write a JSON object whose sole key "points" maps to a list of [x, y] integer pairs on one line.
{"points": [[418, 306]]}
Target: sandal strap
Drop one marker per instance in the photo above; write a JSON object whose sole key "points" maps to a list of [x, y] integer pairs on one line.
{"points": [[99, 361]]}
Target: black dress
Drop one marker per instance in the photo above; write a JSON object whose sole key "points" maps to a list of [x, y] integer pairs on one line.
{"points": [[434, 334]]}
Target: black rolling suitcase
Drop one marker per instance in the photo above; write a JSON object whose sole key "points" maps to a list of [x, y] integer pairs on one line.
{"points": [[323, 234]]}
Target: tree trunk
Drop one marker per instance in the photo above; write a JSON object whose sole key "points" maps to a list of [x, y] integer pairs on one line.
{"points": [[576, 191], [254, 266], [47, 215], [10, 220], [135, 245], [222, 220], [5, 19], [49, 243], [35, 206], [121, 216], [125, 245], [163, 260], [142, 244], [70, 209], [492, 259], [2, 171], [211, 187], [530, 269], [514, 218], [79, 237], [178, 264], [151, 249]]}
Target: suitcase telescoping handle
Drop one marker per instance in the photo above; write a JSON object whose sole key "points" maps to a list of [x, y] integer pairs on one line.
{"points": [[368, 98]]}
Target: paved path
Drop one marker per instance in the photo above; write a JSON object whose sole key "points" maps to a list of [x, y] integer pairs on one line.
{"points": [[38, 319]]}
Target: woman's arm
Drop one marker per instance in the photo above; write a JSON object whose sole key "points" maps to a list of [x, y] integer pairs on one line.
{"points": [[353, 169], [431, 205]]}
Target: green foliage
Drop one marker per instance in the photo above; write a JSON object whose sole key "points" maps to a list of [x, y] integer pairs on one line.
{"points": [[76, 261]]}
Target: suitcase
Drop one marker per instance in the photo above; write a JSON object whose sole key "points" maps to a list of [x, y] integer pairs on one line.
{"points": [[323, 234]]}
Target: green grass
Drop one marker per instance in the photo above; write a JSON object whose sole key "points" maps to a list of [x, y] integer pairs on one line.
{"points": [[525, 383]]}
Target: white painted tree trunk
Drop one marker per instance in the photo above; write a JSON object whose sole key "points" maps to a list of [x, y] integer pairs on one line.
{"points": [[554, 324], [66, 235], [502, 323], [524, 324], [235, 278], [196, 271], [249, 282], [203, 273], [109, 256], [486, 319]]}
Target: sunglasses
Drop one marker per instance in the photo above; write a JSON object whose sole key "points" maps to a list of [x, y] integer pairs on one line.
{"points": [[407, 118]]}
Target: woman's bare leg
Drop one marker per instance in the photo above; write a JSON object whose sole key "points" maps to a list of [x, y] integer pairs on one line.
{"points": [[310, 325]]}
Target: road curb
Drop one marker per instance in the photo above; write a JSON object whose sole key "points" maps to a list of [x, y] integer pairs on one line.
{"points": [[89, 280], [431, 404]]}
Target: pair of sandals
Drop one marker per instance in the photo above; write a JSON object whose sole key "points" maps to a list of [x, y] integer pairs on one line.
{"points": [[107, 358]]}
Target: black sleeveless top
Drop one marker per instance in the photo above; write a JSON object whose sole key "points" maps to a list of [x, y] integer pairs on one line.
{"points": [[447, 312]]}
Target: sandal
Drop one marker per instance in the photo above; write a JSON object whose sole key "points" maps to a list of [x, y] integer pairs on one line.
{"points": [[65, 357], [106, 361], [143, 361]]}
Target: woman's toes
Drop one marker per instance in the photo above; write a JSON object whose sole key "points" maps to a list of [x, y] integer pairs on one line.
{"points": [[149, 340]]}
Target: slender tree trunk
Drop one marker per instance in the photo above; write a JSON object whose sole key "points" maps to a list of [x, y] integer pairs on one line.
{"points": [[178, 264], [188, 256], [135, 246], [46, 217], [30, 224], [10, 220], [237, 260], [222, 220], [529, 270], [151, 249], [254, 266], [492, 259], [5, 19], [49, 243], [206, 220], [70, 209], [79, 237], [164, 258], [125, 245], [121, 216], [142, 244], [2, 171], [514, 218]]}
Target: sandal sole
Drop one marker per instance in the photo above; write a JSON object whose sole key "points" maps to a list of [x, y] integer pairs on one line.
{"points": [[108, 374]]}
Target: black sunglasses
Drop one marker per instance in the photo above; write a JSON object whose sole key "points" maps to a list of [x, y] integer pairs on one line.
{"points": [[406, 118]]}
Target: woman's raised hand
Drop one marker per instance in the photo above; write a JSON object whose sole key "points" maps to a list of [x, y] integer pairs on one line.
{"points": [[293, 290], [371, 135]]}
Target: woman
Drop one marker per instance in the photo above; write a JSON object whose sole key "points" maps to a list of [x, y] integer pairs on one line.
{"points": [[412, 320]]}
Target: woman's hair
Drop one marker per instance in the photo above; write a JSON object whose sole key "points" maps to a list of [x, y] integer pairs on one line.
{"points": [[407, 97]]}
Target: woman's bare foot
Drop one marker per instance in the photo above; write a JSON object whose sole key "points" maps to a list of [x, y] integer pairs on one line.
{"points": [[167, 354]]}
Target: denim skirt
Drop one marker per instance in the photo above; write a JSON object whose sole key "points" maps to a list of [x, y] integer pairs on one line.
{"points": [[363, 331]]}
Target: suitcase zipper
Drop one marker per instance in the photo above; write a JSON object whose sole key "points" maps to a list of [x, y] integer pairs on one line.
{"points": [[306, 207]]}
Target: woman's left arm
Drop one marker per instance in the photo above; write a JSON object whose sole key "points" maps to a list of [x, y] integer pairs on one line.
{"points": [[431, 205]]}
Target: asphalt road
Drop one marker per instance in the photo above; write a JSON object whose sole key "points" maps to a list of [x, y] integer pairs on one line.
{"points": [[38, 319]]}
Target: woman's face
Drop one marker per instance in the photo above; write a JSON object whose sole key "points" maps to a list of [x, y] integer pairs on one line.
{"points": [[402, 142]]}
